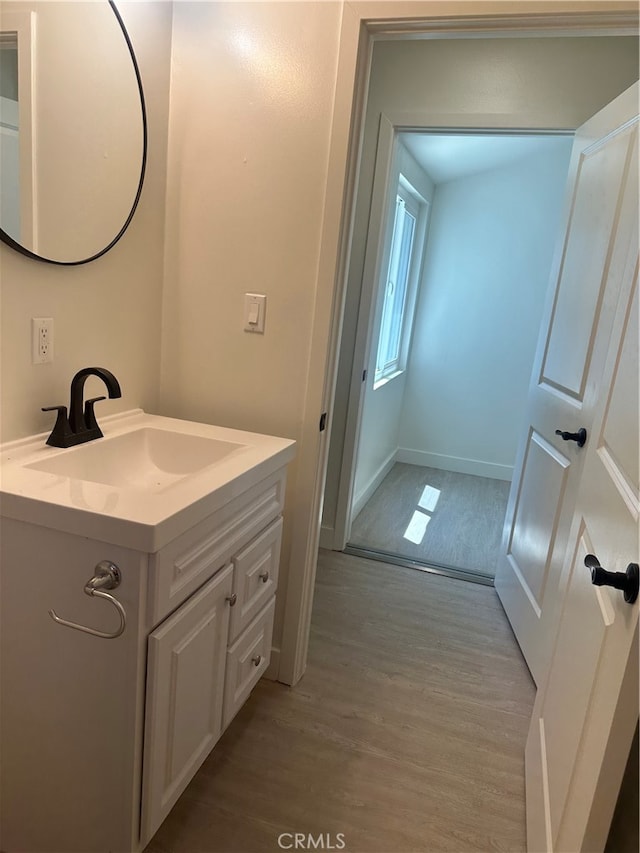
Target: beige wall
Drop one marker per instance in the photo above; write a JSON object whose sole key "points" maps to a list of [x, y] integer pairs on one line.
{"points": [[251, 102], [106, 313], [251, 106]]}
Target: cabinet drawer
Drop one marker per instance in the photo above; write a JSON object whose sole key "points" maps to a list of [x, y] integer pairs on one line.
{"points": [[247, 660], [255, 577], [185, 686], [186, 563]]}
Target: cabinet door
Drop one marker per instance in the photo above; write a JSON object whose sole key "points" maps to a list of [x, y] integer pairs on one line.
{"points": [[185, 686]]}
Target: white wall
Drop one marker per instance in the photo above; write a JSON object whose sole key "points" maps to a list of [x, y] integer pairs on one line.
{"points": [[545, 83], [251, 103], [486, 273], [382, 407], [106, 313]]}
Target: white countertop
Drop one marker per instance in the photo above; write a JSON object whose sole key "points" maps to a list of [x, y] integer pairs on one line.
{"points": [[131, 514]]}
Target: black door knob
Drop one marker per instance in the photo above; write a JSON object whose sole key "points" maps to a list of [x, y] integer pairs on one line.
{"points": [[627, 581], [579, 437]]}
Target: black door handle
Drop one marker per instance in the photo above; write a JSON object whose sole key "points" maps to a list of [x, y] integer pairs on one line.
{"points": [[579, 437], [627, 581]]}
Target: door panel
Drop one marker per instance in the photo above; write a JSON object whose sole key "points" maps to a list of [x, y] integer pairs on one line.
{"points": [[564, 715], [587, 708], [620, 446], [534, 523], [595, 262], [595, 209]]}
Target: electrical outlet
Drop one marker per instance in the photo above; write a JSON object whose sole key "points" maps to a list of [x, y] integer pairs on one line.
{"points": [[41, 340]]}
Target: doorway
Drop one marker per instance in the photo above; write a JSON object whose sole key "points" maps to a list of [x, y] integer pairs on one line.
{"points": [[444, 400], [447, 85]]}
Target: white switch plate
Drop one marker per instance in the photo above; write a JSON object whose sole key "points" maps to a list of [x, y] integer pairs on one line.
{"points": [[255, 307], [41, 340]]}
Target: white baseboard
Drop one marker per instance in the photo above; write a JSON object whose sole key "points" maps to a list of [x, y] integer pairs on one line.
{"points": [[327, 537], [364, 494], [455, 463]]}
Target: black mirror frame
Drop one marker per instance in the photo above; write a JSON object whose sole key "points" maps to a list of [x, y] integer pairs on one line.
{"points": [[6, 238]]}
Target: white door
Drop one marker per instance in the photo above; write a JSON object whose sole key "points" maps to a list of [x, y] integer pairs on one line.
{"points": [[587, 708], [591, 268]]}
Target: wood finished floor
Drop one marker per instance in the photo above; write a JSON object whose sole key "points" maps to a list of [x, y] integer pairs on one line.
{"points": [[464, 530], [406, 733]]}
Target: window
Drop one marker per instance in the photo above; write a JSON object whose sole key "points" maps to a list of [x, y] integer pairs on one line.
{"points": [[394, 328]]}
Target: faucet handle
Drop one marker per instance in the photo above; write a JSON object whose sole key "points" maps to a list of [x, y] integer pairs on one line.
{"points": [[90, 416], [61, 430]]}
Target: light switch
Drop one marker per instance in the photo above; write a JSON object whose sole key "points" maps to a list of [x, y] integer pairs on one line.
{"points": [[254, 312], [255, 305]]}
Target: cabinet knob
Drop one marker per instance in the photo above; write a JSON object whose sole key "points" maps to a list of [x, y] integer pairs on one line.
{"points": [[264, 576], [256, 660], [231, 599]]}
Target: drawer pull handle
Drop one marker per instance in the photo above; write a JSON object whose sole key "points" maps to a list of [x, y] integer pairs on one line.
{"points": [[256, 660], [264, 576], [231, 599]]}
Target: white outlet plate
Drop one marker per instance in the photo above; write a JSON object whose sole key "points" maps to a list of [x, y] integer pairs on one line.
{"points": [[41, 340]]}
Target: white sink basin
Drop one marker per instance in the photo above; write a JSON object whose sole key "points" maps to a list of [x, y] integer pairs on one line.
{"points": [[148, 480], [147, 458]]}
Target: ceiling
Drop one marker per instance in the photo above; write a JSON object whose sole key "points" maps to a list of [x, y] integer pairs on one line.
{"points": [[446, 157]]}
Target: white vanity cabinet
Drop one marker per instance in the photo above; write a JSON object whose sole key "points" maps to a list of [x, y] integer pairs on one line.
{"points": [[99, 737], [204, 659]]}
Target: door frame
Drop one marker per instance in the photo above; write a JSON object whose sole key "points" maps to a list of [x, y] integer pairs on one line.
{"points": [[363, 23], [392, 124]]}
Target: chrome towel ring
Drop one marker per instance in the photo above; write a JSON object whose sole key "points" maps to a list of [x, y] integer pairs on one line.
{"points": [[107, 576]]}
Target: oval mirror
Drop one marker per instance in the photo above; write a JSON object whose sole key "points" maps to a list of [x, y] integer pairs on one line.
{"points": [[73, 129]]}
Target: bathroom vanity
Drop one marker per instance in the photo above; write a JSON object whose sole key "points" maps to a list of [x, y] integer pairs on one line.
{"points": [[106, 720]]}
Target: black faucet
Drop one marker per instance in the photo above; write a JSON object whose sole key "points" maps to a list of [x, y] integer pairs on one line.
{"points": [[81, 426]]}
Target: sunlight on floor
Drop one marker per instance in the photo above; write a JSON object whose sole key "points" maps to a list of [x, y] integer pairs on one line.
{"points": [[429, 498], [417, 527]]}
